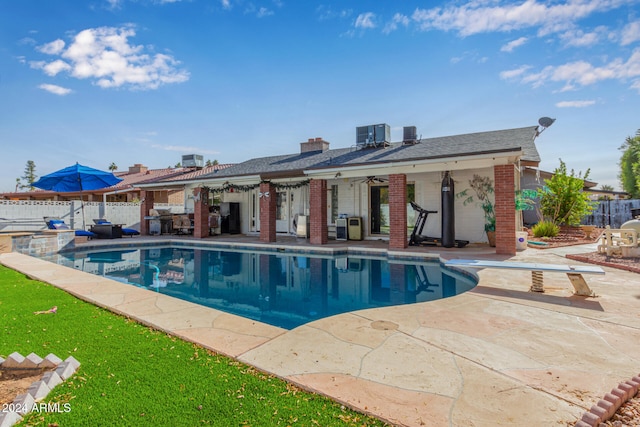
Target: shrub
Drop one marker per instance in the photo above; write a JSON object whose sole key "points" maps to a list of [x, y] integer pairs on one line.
{"points": [[545, 229], [562, 199]]}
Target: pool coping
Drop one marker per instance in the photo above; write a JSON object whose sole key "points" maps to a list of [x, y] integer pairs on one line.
{"points": [[497, 340]]}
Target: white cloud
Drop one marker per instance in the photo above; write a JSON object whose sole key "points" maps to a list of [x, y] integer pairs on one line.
{"points": [[365, 20], [631, 33], [582, 73], [575, 104], [52, 48], [263, 11], [226, 4], [509, 47], [325, 13], [482, 16], [578, 38], [55, 67], [105, 56], [398, 19], [114, 4], [512, 74], [55, 89], [27, 41]]}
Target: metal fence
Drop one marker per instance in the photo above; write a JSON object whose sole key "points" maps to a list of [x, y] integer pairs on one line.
{"points": [[613, 213]]}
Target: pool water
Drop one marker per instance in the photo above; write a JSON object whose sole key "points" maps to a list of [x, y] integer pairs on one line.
{"points": [[283, 289]]}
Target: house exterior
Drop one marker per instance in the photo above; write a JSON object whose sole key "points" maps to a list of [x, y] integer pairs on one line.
{"points": [[373, 180], [127, 190]]}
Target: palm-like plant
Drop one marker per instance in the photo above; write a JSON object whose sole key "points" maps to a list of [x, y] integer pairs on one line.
{"points": [[483, 189]]}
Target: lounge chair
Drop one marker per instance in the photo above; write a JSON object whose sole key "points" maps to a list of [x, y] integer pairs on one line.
{"points": [[125, 231], [59, 224]]}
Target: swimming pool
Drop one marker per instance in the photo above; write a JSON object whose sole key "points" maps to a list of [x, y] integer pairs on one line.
{"points": [[283, 289]]}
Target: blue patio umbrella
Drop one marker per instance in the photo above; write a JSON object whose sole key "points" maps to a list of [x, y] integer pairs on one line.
{"points": [[77, 178]]}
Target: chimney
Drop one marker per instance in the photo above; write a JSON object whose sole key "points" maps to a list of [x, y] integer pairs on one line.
{"points": [[138, 168], [314, 145]]}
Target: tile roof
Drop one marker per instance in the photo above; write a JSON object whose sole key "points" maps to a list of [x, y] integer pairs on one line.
{"points": [[168, 174]]}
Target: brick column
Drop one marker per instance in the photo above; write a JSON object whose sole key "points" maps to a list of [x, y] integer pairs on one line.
{"points": [[505, 208], [268, 212], [398, 211], [200, 213], [147, 198], [319, 232]]}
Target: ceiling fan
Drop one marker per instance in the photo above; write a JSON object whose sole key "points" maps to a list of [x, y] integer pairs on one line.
{"points": [[373, 180]]}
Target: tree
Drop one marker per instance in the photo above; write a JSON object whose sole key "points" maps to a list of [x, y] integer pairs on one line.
{"points": [[113, 167], [606, 187], [630, 166], [562, 200], [29, 175]]}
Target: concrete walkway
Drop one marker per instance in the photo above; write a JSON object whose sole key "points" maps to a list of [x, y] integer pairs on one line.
{"points": [[495, 356]]}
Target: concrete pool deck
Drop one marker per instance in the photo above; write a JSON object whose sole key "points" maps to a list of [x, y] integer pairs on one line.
{"points": [[495, 356]]}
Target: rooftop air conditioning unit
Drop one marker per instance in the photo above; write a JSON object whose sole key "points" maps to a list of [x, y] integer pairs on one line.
{"points": [[373, 135], [410, 135], [192, 161]]}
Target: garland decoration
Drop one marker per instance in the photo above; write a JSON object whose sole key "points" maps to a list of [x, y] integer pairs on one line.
{"points": [[232, 188]]}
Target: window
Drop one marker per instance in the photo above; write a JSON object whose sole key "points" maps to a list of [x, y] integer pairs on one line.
{"points": [[334, 204]]}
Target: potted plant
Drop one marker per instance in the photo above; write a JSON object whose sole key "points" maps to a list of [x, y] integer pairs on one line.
{"points": [[483, 189]]}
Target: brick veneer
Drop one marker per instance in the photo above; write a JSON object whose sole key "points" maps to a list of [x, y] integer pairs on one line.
{"points": [[201, 213], [319, 233], [505, 209], [268, 212], [398, 211], [147, 203]]}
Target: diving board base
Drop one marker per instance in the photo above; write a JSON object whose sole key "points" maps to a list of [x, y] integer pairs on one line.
{"points": [[573, 272]]}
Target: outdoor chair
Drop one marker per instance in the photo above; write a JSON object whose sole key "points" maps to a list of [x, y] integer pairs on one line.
{"points": [[59, 224], [182, 224]]}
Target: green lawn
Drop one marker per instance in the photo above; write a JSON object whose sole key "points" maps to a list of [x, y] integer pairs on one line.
{"points": [[132, 375]]}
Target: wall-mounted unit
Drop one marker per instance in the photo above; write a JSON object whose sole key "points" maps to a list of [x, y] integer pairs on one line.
{"points": [[373, 136], [410, 135], [192, 161]]}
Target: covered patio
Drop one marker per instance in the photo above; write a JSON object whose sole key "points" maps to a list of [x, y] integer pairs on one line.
{"points": [[374, 183]]}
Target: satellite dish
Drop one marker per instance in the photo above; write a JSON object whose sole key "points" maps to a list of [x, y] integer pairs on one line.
{"points": [[545, 122]]}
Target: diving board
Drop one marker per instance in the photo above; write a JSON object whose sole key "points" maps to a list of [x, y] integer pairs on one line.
{"points": [[574, 272]]}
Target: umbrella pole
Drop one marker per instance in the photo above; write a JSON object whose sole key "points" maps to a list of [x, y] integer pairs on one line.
{"points": [[82, 206]]}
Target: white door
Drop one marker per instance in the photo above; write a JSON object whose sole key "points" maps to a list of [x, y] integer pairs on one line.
{"points": [[283, 211], [254, 218]]}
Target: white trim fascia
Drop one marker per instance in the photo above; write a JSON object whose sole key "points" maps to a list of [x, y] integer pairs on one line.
{"points": [[418, 166], [210, 182]]}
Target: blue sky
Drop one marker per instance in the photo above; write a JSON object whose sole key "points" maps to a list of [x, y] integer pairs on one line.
{"points": [[146, 81]]}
